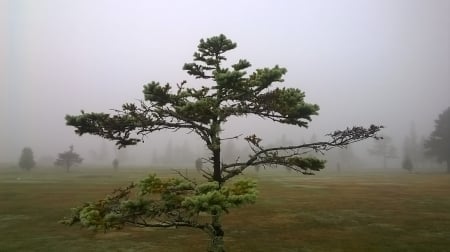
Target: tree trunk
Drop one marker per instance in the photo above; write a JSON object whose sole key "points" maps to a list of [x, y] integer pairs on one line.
{"points": [[215, 148], [216, 235], [216, 244], [217, 176]]}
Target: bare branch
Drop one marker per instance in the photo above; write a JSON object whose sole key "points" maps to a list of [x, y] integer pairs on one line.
{"points": [[229, 138], [167, 224], [184, 176]]}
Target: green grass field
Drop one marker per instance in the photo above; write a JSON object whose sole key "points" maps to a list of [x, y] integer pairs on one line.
{"points": [[326, 212]]}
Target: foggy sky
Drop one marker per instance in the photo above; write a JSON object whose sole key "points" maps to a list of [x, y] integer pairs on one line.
{"points": [[384, 62]]}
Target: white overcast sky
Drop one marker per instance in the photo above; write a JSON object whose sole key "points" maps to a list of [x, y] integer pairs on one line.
{"points": [[381, 61]]}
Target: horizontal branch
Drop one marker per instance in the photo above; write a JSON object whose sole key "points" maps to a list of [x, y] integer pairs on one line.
{"points": [[262, 156], [167, 224]]}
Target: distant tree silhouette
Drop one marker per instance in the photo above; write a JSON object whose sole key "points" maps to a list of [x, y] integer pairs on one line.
{"points": [[423, 159], [384, 149], [438, 144], [26, 161], [68, 159], [122, 155], [115, 164], [412, 148], [346, 157], [198, 164], [168, 156], [229, 152], [407, 163]]}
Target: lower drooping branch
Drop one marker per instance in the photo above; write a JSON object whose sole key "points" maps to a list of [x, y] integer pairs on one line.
{"points": [[167, 224], [286, 155]]}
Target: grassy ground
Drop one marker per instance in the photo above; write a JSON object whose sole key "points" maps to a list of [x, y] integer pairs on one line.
{"points": [[328, 212]]}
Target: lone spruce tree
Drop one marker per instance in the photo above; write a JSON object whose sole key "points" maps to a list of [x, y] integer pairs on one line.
{"points": [[231, 93], [26, 161]]}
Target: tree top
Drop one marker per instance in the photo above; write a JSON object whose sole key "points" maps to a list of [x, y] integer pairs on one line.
{"points": [[232, 92]]}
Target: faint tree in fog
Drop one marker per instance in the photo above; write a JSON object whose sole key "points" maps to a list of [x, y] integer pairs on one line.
{"points": [[68, 159], [199, 164], [115, 164], [407, 163], [411, 147], [347, 157], [384, 149], [230, 152], [231, 92], [423, 160], [122, 155], [438, 144], [169, 154], [184, 154], [26, 161]]}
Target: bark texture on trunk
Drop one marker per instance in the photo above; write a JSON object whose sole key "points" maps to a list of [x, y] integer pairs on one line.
{"points": [[217, 175], [217, 244], [216, 235]]}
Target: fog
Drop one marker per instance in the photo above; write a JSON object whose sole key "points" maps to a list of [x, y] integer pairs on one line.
{"points": [[383, 62]]}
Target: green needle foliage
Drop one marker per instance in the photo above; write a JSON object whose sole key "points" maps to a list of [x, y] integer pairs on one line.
{"points": [[438, 144], [232, 92], [154, 202], [68, 159], [26, 160]]}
